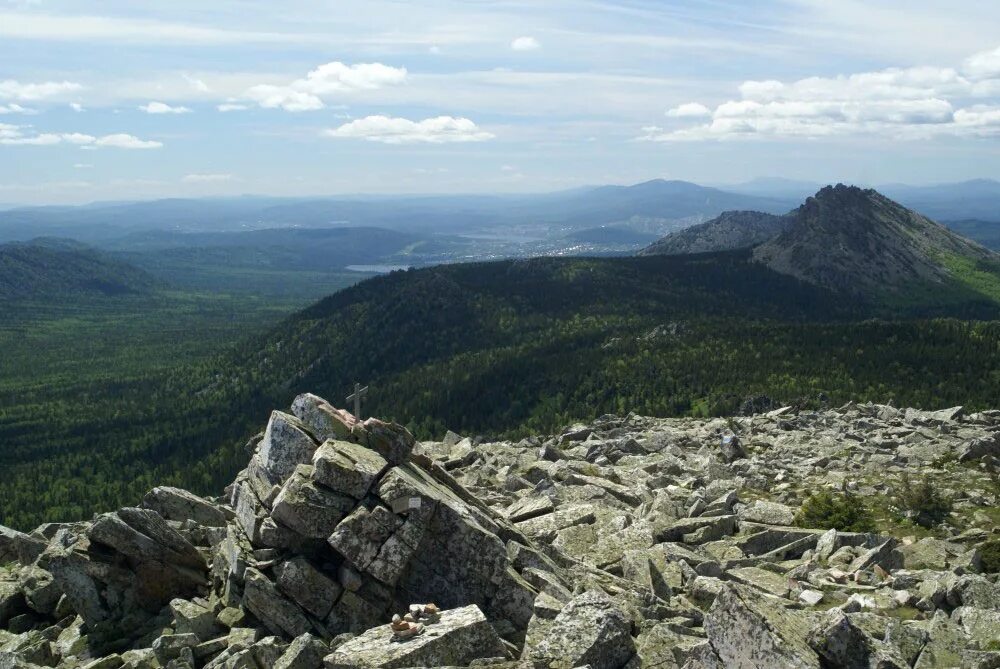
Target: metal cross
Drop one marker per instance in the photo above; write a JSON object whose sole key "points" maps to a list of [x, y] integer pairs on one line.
{"points": [[359, 393]]}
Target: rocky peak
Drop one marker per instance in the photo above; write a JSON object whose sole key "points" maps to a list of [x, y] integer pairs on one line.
{"points": [[858, 241], [729, 231]]}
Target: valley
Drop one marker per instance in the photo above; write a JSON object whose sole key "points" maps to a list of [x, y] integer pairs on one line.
{"points": [[94, 384]]}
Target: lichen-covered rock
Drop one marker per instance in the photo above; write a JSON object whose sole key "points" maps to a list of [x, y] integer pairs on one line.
{"points": [[841, 643], [747, 630], [11, 601], [278, 614], [771, 513], [307, 586], [590, 630], [307, 508], [18, 547], [319, 543], [347, 468], [286, 445], [458, 638], [305, 652], [191, 617], [177, 504]]}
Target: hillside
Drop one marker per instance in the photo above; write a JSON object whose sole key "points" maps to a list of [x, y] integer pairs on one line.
{"points": [[729, 231], [861, 242], [62, 268], [264, 260], [986, 233], [506, 348]]}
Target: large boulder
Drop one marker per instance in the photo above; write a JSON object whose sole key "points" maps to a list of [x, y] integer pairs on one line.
{"points": [[323, 419], [768, 513], [842, 643], [459, 637], [278, 614], [286, 444], [310, 510], [589, 630], [749, 630], [364, 526], [177, 504], [347, 468]]}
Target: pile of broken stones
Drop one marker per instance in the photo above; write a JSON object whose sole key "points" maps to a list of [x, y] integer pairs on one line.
{"points": [[631, 542]]}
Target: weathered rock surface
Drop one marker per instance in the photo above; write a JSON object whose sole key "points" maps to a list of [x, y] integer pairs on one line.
{"points": [[456, 639], [589, 630], [627, 542]]}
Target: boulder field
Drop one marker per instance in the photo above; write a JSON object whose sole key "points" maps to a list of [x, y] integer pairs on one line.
{"points": [[629, 542]]}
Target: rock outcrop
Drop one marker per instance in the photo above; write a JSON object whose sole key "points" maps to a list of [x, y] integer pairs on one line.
{"points": [[629, 542]]}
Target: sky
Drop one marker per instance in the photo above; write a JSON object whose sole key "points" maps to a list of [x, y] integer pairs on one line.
{"points": [[134, 100]]}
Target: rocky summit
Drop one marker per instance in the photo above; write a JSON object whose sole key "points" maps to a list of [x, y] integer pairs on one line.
{"points": [[629, 542]]}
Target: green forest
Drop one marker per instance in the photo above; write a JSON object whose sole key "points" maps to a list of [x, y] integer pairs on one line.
{"points": [[499, 349]]}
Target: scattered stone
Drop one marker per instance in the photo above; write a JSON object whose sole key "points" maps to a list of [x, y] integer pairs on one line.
{"points": [[620, 543]]}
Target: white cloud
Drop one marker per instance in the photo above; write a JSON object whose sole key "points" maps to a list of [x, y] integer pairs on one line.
{"points": [[902, 103], [336, 77], [67, 28], [163, 108], [14, 108], [15, 135], [283, 97], [124, 141], [525, 44], [689, 110], [985, 65], [979, 118], [197, 84], [11, 89], [389, 130], [83, 166], [231, 106], [326, 80], [206, 178], [76, 106]]}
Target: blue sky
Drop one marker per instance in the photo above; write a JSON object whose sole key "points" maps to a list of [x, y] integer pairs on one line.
{"points": [[130, 100]]}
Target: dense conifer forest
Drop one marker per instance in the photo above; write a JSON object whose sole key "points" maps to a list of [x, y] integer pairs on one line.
{"points": [[506, 348]]}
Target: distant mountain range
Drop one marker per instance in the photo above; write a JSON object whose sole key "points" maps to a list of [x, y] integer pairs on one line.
{"points": [[575, 209], [551, 215]]}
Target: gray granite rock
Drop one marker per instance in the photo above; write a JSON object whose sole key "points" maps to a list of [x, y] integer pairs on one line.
{"points": [[590, 630], [457, 639]]}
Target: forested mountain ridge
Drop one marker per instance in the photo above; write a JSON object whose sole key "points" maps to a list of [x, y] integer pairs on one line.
{"points": [[59, 268], [504, 348]]}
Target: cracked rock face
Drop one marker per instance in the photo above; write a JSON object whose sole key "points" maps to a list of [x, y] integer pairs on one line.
{"points": [[627, 542]]}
